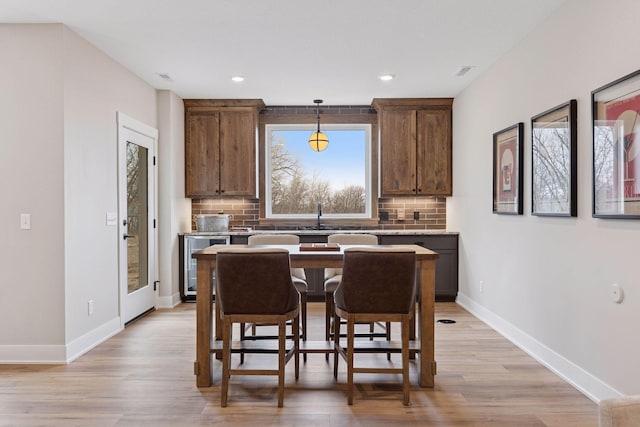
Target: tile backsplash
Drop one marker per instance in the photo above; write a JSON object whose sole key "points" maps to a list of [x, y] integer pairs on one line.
{"points": [[431, 212]]}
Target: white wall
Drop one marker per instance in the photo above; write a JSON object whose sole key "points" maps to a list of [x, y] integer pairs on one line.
{"points": [[95, 88], [546, 280], [59, 163], [175, 209], [31, 181]]}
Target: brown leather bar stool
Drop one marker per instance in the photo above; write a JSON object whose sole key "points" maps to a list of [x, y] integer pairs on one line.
{"points": [[378, 285], [297, 274], [254, 286], [333, 276]]}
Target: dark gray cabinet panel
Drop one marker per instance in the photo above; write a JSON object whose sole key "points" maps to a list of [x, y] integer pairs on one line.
{"points": [[446, 265], [239, 240]]}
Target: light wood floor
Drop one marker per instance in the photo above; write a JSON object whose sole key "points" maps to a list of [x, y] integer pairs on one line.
{"points": [[144, 377]]}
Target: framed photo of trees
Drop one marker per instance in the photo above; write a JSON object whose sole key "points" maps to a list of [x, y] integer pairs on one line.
{"points": [[616, 145], [553, 161], [507, 170]]}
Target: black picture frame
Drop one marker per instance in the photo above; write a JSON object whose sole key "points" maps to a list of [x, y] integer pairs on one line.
{"points": [[507, 170], [615, 109], [554, 141]]}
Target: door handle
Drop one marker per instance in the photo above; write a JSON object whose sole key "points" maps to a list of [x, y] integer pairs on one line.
{"points": [[127, 236]]}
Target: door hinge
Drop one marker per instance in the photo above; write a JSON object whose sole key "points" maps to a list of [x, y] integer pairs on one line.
{"points": [[154, 160], [434, 367], [154, 223], [196, 368], [155, 285]]}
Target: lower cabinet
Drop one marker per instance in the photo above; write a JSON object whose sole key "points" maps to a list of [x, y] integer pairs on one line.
{"points": [[447, 264]]}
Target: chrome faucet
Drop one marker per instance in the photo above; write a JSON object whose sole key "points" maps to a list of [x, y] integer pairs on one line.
{"points": [[319, 214]]}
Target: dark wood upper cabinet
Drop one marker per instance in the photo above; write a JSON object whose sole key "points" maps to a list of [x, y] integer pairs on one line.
{"points": [[415, 146], [220, 147]]}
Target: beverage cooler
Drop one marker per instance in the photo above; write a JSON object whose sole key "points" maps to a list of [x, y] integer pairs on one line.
{"points": [[188, 270]]}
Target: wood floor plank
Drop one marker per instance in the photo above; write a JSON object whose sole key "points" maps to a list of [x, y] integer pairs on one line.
{"points": [[144, 377]]}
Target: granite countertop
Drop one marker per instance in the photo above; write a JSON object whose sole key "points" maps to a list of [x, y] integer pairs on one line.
{"points": [[322, 232]]}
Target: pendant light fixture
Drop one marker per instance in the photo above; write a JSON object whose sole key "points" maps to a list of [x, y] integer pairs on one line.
{"points": [[318, 140]]}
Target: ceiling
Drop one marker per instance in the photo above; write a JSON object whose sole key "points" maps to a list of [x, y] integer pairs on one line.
{"points": [[293, 51]]}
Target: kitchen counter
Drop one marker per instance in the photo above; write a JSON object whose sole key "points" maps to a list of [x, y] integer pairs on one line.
{"points": [[323, 232], [442, 241]]}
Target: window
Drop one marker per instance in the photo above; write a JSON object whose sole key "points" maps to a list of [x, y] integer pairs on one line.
{"points": [[298, 178]]}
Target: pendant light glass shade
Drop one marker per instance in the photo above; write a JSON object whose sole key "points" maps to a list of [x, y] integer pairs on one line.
{"points": [[318, 141]]}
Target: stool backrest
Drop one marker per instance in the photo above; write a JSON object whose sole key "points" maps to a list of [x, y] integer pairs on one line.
{"points": [[348, 239], [377, 280], [254, 281]]}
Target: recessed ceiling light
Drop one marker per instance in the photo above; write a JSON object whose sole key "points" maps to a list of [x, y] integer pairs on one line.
{"points": [[237, 79], [461, 71], [165, 76], [387, 77]]}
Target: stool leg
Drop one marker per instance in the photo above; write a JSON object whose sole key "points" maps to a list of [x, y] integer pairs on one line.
{"points": [[296, 344], [405, 358], [350, 344], [303, 303], [282, 333], [336, 344], [226, 362], [328, 316]]}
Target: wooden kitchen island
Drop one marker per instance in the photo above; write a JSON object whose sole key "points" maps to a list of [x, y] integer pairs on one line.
{"points": [[206, 261]]}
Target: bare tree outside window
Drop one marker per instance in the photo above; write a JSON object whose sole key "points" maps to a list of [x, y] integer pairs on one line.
{"points": [[301, 178]]}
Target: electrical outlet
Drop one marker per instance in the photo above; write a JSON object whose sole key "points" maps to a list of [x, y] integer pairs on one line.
{"points": [[616, 293], [416, 215], [90, 307], [383, 215], [400, 214]]}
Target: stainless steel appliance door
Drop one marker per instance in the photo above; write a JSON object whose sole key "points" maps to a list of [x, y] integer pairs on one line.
{"points": [[191, 245]]}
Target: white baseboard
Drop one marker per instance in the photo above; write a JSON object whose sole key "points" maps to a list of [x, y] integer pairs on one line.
{"points": [[83, 344], [583, 381], [168, 302], [23, 354], [59, 354]]}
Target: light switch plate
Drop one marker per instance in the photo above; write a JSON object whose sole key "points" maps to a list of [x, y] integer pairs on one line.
{"points": [[112, 218], [25, 221]]}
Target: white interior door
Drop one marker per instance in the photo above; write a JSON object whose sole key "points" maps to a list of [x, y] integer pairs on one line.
{"points": [[137, 217]]}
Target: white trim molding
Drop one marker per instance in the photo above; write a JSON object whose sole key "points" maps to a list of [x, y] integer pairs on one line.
{"points": [[91, 339], [583, 381], [59, 354], [170, 301]]}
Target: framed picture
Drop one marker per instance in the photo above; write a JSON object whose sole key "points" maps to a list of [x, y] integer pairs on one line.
{"points": [[553, 161], [616, 145], [507, 170]]}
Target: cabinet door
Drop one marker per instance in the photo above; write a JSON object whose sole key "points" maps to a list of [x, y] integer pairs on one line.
{"points": [[398, 152], [434, 152], [202, 155], [237, 153]]}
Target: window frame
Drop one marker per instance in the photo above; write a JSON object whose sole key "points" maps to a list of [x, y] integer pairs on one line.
{"points": [[366, 127], [326, 120]]}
